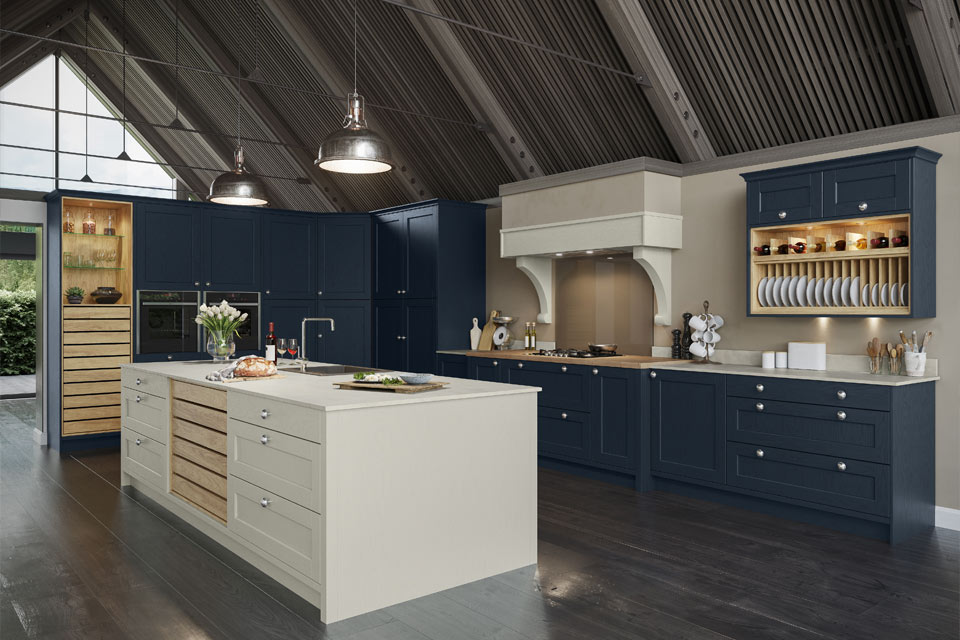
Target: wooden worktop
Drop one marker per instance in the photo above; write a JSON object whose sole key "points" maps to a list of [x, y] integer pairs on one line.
{"points": [[623, 362]]}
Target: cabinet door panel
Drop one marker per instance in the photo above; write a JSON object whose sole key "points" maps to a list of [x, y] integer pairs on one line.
{"points": [[286, 316], [563, 386], [350, 343], [686, 424], [388, 325], [485, 369], [345, 258], [421, 253], [389, 251], [614, 421], [231, 249], [879, 187], [420, 334], [797, 197], [167, 252], [452, 366], [289, 256]]}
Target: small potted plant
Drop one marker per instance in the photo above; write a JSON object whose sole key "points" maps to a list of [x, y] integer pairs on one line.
{"points": [[74, 295]]}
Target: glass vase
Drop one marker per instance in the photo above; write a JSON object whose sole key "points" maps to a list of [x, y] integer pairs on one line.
{"points": [[220, 345]]}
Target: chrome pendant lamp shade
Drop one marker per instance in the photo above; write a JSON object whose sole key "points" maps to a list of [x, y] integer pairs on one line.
{"points": [[354, 148], [238, 187]]}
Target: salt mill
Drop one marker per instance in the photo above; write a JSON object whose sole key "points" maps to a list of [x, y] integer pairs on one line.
{"points": [[676, 350]]}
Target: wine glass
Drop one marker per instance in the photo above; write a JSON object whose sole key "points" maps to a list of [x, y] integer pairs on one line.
{"points": [[281, 347], [292, 347]]}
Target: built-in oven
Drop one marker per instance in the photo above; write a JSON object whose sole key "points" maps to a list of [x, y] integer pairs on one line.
{"points": [[245, 302], [165, 322]]}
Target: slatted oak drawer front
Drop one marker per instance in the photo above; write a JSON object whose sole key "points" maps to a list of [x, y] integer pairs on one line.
{"points": [[207, 501], [852, 433], [89, 425], [88, 350], [146, 413], [95, 325], [97, 337], [287, 466], [102, 362], [92, 375], [143, 458], [199, 446], [100, 313], [834, 394], [143, 381], [284, 530], [294, 420], [85, 388], [818, 480]]}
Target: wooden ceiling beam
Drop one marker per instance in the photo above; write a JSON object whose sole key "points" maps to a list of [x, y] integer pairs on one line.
{"points": [[934, 30], [334, 82], [19, 53], [469, 83], [634, 34]]}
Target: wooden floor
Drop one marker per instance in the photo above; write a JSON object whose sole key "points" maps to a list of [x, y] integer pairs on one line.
{"points": [[81, 559]]}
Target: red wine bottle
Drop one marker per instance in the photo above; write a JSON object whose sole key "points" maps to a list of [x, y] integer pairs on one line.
{"points": [[271, 344]]}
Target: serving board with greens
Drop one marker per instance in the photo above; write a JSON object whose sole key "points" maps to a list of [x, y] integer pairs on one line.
{"points": [[386, 382]]}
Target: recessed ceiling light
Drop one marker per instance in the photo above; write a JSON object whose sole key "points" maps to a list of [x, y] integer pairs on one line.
{"points": [[609, 257], [558, 254], [589, 250]]}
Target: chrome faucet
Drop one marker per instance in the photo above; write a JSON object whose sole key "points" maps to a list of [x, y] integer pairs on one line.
{"points": [[303, 338]]}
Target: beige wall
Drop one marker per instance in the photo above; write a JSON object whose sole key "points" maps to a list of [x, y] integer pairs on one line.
{"points": [[713, 262]]}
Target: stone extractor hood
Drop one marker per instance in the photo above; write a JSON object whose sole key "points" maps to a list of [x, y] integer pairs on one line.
{"points": [[571, 219]]}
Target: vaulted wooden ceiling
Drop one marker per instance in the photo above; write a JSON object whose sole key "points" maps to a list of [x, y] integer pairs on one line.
{"points": [[466, 111]]}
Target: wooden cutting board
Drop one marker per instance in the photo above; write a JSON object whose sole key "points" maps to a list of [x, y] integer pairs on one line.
{"points": [[396, 388], [486, 337], [252, 378]]}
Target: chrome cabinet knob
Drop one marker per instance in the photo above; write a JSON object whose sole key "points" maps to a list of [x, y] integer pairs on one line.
{"points": [[759, 453], [760, 387], [842, 394], [197, 283], [264, 439], [842, 466], [319, 293], [264, 502], [841, 415], [403, 337], [563, 368], [496, 363], [653, 374], [138, 399], [520, 366], [403, 291], [782, 215], [208, 284], [398, 337], [170, 357], [759, 406], [563, 415], [862, 206], [398, 291], [264, 414], [596, 371], [268, 292], [137, 441], [138, 382]]}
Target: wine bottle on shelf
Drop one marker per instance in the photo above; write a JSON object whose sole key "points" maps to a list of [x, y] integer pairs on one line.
{"points": [[271, 343], [533, 335], [762, 250], [526, 336]]}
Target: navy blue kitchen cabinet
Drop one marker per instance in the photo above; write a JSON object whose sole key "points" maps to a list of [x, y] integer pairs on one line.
{"points": [[785, 198], [230, 246], [488, 369], [167, 248], [286, 315], [564, 386], [404, 335], [289, 255], [350, 342], [614, 416], [389, 250], [344, 257], [388, 330], [421, 226], [452, 365], [867, 189], [564, 435], [687, 434]]}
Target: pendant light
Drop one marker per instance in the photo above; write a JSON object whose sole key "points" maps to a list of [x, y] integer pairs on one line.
{"points": [[354, 148], [238, 187]]}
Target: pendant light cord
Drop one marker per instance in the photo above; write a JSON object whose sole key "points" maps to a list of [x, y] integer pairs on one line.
{"points": [[354, 46], [123, 67], [86, 93], [176, 58], [239, 48]]}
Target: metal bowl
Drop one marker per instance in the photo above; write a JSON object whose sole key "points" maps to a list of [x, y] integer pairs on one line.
{"points": [[603, 348], [503, 319]]}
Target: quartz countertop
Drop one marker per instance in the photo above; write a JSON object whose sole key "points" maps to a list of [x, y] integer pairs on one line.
{"points": [[319, 392], [623, 362]]}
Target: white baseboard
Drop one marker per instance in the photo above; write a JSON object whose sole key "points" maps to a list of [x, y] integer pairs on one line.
{"points": [[948, 518], [39, 437]]}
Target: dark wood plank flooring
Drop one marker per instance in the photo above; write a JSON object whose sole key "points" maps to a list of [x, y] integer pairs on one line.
{"points": [[81, 559]]}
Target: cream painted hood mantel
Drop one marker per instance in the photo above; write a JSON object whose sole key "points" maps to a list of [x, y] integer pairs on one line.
{"points": [[574, 218]]}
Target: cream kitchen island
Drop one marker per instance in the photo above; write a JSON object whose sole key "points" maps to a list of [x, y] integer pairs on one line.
{"points": [[355, 500]]}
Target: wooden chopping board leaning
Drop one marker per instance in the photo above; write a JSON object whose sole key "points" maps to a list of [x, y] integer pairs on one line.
{"points": [[486, 337]]}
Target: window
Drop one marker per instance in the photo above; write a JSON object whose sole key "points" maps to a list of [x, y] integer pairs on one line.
{"points": [[22, 126]]}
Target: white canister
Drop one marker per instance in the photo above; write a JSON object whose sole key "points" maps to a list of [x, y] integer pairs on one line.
{"points": [[767, 360], [781, 360], [914, 364]]}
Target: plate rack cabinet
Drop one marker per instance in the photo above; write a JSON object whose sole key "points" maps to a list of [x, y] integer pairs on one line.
{"points": [[847, 237]]}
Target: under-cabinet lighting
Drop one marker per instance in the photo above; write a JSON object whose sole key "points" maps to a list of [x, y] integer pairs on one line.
{"points": [[558, 254], [589, 251]]}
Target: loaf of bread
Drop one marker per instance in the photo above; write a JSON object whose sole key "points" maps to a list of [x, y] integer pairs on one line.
{"points": [[255, 368]]}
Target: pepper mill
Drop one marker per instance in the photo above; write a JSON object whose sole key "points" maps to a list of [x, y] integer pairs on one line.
{"points": [[676, 349], [687, 339]]}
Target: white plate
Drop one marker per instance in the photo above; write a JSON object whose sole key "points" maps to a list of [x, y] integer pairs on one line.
{"points": [[894, 294], [885, 294], [777, 283], [837, 285], [865, 295], [904, 297], [802, 291], [819, 292], [762, 292], [768, 292], [855, 291], [828, 292], [875, 295], [791, 286], [845, 292], [812, 292]]}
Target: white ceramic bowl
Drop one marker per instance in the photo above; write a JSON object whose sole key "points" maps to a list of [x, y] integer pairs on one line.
{"points": [[416, 378]]}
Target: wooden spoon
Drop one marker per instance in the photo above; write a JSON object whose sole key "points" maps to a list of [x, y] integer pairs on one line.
{"points": [[927, 339]]}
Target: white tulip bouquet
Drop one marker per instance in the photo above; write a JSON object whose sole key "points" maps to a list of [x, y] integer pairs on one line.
{"points": [[221, 319]]}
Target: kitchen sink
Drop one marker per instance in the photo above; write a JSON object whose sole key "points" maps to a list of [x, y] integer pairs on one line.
{"points": [[333, 370]]}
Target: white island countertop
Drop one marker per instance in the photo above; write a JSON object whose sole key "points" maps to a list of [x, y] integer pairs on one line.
{"points": [[319, 392]]}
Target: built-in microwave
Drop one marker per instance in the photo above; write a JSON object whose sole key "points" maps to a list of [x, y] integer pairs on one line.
{"points": [[247, 302], [165, 322]]}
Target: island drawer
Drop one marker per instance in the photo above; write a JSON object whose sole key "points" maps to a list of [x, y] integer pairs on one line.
{"points": [[275, 526], [144, 458], [199, 447], [277, 462], [146, 414], [294, 420], [836, 394], [143, 381]]}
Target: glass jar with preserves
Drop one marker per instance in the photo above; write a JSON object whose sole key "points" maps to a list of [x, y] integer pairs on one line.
{"points": [[67, 221], [89, 224], [108, 229]]}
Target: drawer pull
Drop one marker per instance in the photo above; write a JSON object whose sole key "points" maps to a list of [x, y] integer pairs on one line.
{"points": [[782, 215], [264, 439], [264, 414], [264, 502], [862, 206], [842, 394], [170, 357], [653, 374], [841, 415], [137, 441], [138, 399], [842, 466], [596, 371], [759, 453], [760, 388], [563, 415], [138, 382], [496, 363], [563, 368], [520, 366], [759, 406]]}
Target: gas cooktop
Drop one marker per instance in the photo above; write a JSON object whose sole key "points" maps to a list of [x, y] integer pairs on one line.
{"points": [[574, 353]]}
